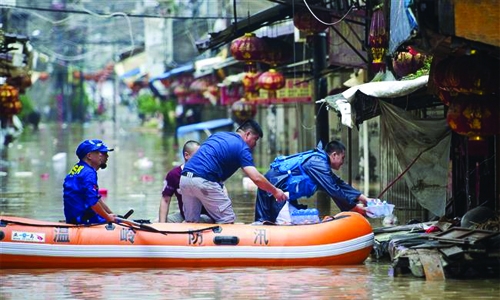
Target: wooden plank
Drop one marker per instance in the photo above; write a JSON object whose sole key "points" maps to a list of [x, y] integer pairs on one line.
{"points": [[431, 262], [460, 235], [452, 251]]}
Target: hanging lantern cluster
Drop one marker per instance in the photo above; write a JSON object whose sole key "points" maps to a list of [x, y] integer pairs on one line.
{"points": [[9, 101], [252, 49], [311, 24], [378, 40], [408, 62], [249, 49], [205, 88], [468, 85], [180, 87]]}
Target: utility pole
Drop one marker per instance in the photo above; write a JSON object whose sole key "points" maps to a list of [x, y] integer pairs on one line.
{"points": [[320, 87], [320, 92], [63, 108]]}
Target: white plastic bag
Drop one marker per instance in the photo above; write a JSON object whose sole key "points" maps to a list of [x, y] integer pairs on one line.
{"points": [[378, 209], [285, 214]]}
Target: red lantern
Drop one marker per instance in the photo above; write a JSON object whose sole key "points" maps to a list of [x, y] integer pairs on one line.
{"points": [[243, 110], [272, 81], [378, 40], [175, 83], [43, 76], [9, 101], [439, 73], [474, 116], [213, 90], [248, 48], [181, 91], [469, 74], [89, 76], [446, 97], [166, 82], [305, 21], [137, 85], [199, 85], [251, 84]]}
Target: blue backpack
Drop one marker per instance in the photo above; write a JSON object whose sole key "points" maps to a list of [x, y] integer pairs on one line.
{"points": [[298, 184]]}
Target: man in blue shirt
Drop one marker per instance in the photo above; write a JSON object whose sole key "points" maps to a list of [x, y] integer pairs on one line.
{"points": [[82, 202], [216, 160], [301, 177]]}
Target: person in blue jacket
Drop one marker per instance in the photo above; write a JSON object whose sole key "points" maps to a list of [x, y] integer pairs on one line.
{"points": [[217, 159], [301, 175], [82, 202]]}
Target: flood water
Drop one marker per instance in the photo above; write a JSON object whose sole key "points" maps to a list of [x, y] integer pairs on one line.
{"points": [[31, 174]]}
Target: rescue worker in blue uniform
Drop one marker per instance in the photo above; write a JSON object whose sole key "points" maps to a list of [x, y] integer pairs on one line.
{"points": [[82, 201], [301, 175]]}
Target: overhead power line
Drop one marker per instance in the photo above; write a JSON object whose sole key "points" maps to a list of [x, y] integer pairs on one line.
{"points": [[83, 12]]}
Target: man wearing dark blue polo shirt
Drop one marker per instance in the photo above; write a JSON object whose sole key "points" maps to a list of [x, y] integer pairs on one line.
{"points": [[217, 159], [82, 202]]}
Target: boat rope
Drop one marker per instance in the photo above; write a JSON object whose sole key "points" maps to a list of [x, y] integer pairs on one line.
{"points": [[132, 225], [154, 230]]}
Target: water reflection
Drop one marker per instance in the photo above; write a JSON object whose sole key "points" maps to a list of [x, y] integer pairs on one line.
{"points": [[31, 174], [367, 281]]}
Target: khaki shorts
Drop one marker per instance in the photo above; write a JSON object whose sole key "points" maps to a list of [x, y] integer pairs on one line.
{"points": [[177, 218], [197, 192]]}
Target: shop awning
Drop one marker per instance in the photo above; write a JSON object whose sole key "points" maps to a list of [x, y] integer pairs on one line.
{"points": [[360, 102], [131, 65], [176, 71], [157, 87], [131, 73]]}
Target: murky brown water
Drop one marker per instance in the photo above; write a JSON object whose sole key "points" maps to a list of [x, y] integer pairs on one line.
{"points": [[31, 175]]}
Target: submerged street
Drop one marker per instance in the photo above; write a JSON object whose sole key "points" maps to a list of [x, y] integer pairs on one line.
{"points": [[32, 170]]}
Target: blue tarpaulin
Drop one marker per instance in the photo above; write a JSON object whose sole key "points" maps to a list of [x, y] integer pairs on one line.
{"points": [[208, 125], [131, 73], [194, 131], [403, 24]]}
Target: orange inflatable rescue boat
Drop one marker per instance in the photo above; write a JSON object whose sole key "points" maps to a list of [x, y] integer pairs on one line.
{"points": [[28, 244]]}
